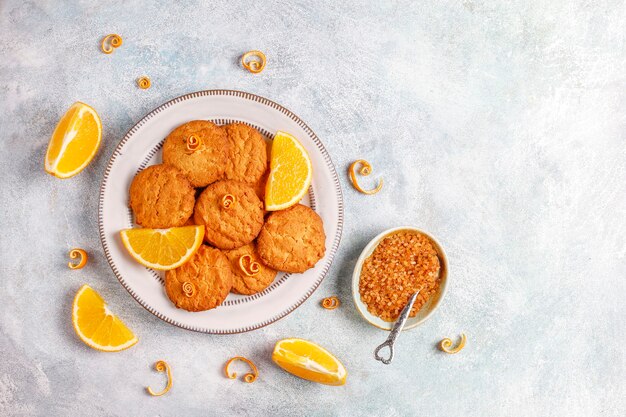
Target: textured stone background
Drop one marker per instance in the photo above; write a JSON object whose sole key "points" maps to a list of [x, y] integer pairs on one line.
{"points": [[498, 126]]}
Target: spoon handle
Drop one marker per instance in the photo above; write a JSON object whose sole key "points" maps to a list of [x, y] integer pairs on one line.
{"points": [[395, 332]]}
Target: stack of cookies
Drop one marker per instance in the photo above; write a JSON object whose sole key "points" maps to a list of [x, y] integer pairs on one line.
{"points": [[215, 176]]}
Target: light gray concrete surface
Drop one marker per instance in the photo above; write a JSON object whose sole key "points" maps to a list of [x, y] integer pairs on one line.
{"points": [[497, 126]]}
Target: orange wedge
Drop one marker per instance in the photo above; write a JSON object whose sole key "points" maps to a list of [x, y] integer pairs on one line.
{"points": [[96, 325], [309, 361], [290, 173], [74, 142], [163, 249]]}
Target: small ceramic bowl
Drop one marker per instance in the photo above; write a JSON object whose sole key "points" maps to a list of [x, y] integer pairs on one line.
{"points": [[427, 310]]}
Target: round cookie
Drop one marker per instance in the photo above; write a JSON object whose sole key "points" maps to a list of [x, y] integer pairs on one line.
{"points": [[161, 197], [208, 163], [232, 227], [292, 240], [244, 284], [247, 157], [202, 283]]}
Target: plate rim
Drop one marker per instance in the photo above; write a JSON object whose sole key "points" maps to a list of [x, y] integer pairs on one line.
{"points": [[245, 95]]}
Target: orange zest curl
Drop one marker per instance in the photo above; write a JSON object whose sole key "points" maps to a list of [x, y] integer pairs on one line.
{"points": [[254, 65], [228, 200], [75, 253], [162, 366], [365, 170], [252, 268], [249, 377], [189, 289], [446, 345], [331, 303], [192, 143], [110, 43], [144, 82]]}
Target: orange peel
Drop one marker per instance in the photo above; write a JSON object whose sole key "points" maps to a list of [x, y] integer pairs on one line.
{"points": [[110, 43], [365, 170], [192, 144], [144, 82], [189, 289], [331, 303], [228, 200], [162, 366], [253, 267], [249, 377], [254, 65], [446, 345], [76, 253]]}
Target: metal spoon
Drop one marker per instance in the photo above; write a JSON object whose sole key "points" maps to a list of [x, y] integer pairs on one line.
{"points": [[395, 332]]}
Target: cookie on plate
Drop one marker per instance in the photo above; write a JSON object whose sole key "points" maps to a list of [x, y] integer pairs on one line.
{"points": [[202, 283], [247, 157], [161, 196], [249, 279], [292, 240], [231, 212], [207, 163]]}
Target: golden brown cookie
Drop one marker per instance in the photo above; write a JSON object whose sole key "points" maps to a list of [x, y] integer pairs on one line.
{"points": [[292, 240], [248, 282], [202, 283], [231, 212], [161, 197], [247, 158], [259, 186], [207, 163]]}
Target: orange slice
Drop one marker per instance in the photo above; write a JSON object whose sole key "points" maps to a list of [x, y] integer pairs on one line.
{"points": [[96, 325], [74, 142], [163, 249], [290, 173], [309, 361]]}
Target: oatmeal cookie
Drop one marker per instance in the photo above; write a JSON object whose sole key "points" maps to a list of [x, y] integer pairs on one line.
{"points": [[161, 197], [292, 240], [229, 226], [205, 165], [247, 158], [244, 283], [202, 283]]}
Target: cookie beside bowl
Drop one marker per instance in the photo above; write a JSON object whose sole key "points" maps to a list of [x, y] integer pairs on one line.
{"points": [[428, 308]]}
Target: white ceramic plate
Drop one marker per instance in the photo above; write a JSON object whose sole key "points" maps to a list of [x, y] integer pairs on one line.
{"points": [[427, 310], [142, 147]]}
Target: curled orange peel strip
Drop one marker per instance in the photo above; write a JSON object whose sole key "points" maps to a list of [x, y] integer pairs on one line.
{"points": [[75, 253], [189, 289], [365, 170], [110, 42], [249, 377], [253, 267], [254, 65], [162, 366], [331, 303], [144, 82], [228, 200], [446, 345], [192, 143]]}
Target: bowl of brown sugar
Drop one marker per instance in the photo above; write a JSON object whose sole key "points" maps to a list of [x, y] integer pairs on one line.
{"points": [[392, 267]]}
